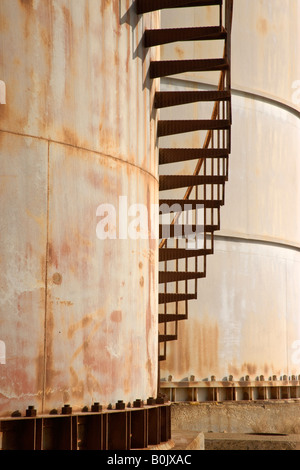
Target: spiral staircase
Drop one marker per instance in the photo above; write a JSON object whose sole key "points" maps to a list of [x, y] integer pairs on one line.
{"points": [[189, 202]]}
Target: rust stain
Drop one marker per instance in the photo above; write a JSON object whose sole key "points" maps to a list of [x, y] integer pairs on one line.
{"points": [[262, 26], [251, 369], [179, 52], [57, 278], [83, 323], [26, 3], [116, 316]]}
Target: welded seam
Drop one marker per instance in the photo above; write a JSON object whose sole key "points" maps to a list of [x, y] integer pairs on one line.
{"points": [[257, 241], [96, 152], [46, 280]]}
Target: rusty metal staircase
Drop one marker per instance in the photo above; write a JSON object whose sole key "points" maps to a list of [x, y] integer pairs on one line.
{"points": [[193, 199]]}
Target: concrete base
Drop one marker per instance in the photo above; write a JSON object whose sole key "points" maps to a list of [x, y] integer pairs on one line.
{"points": [[182, 440], [188, 440], [219, 441], [261, 417]]}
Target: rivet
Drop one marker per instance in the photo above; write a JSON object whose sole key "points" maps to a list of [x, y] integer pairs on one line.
{"points": [[192, 378], [213, 378], [85, 409], [274, 377], [16, 414], [262, 378]]}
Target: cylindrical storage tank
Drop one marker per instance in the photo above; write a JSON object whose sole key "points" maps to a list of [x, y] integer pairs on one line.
{"points": [[78, 286], [246, 320]]}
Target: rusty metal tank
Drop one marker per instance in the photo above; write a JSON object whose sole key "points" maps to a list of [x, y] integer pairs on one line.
{"points": [[78, 319], [246, 321]]}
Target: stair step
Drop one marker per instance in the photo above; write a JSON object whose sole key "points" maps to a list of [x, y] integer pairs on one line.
{"points": [[187, 204], [181, 231], [174, 155], [162, 68], [173, 276], [170, 298], [156, 37], [172, 127], [164, 338], [167, 182], [168, 254], [165, 99], [144, 6], [166, 318]]}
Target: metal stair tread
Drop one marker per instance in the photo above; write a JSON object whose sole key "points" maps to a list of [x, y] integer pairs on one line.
{"points": [[156, 37], [174, 276], [164, 99], [162, 68], [192, 203], [169, 317], [145, 6], [174, 155], [169, 254], [181, 126], [167, 182]]}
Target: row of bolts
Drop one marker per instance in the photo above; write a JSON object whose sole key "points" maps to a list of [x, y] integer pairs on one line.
{"points": [[245, 379], [96, 407]]}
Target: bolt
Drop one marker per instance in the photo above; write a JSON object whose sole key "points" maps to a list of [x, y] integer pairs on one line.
{"points": [[262, 378], [138, 403], [16, 414], [151, 401], [170, 378], [192, 378], [293, 377], [109, 406], [230, 378], [53, 412], [129, 405], [85, 409], [30, 411], [247, 378], [120, 405], [213, 378], [285, 377], [274, 377], [66, 410], [96, 407]]}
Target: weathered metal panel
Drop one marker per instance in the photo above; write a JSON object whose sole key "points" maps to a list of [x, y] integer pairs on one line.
{"points": [[77, 87], [101, 321], [23, 227], [246, 318]]}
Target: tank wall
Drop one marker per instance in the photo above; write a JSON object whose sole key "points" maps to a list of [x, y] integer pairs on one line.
{"points": [[246, 318], [78, 314]]}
